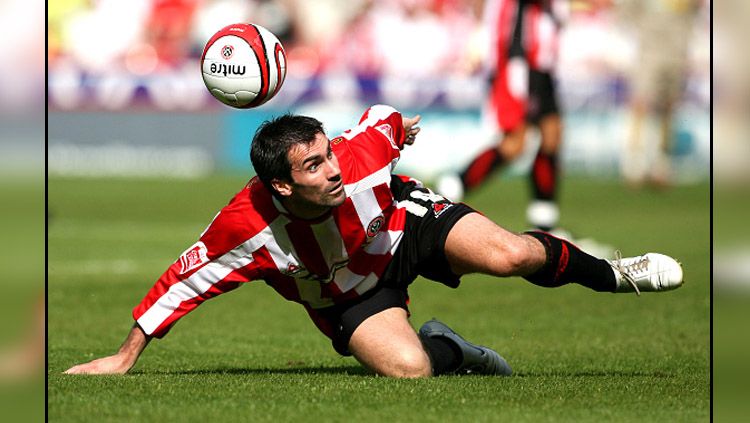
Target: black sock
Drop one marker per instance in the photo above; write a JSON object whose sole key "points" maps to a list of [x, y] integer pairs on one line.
{"points": [[481, 168], [566, 263], [544, 177], [444, 355]]}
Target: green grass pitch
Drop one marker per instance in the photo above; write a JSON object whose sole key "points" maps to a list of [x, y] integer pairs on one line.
{"points": [[251, 356]]}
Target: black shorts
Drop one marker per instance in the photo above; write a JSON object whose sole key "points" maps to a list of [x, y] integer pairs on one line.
{"points": [[542, 99], [421, 252]]}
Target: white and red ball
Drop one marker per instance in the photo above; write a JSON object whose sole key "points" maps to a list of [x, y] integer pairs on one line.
{"points": [[243, 65]]}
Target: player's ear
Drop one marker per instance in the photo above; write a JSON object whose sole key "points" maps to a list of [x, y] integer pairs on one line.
{"points": [[284, 188]]}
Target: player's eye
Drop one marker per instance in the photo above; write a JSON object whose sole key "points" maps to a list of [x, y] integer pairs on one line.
{"points": [[313, 167]]}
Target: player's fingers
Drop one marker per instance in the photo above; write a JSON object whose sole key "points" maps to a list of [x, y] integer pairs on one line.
{"points": [[411, 121], [73, 370], [85, 368]]}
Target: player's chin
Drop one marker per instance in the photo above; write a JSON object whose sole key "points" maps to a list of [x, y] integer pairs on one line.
{"points": [[337, 199]]}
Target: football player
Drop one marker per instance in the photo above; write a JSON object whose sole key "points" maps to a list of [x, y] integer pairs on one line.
{"points": [[328, 225]]}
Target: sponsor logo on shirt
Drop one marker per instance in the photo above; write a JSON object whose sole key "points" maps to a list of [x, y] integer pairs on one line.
{"points": [[292, 269], [439, 208], [298, 272], [193, 257], [428, 200]]}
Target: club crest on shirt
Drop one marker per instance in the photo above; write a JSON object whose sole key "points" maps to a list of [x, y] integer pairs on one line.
{"points": [[193, 257], [387, 130], [374, 227]]}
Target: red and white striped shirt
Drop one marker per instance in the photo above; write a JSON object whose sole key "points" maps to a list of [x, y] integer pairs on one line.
{"points": [[539, 22], [319, 263]]}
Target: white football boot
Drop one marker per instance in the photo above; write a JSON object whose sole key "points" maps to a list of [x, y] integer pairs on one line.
{"points": [[649, 272], [544, 214]]}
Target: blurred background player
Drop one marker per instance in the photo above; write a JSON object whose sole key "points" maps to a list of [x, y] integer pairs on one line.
{"points": [[24, 357], [523, 40], [663, 31]]}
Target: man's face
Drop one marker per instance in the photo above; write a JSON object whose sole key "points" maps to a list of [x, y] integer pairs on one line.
{"points": [[316, 184]]}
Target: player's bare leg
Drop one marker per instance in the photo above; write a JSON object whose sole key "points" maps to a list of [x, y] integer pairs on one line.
{"points": [[543, 212], [634, 162], [661, 170], [550, 127], [25, 358], [388, 345], [476, 244], [512, 143]]}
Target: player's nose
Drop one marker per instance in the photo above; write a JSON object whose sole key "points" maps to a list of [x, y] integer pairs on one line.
{"points": [[334, 171]]}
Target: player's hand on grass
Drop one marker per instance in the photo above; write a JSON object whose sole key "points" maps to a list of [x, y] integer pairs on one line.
{"points": [[411, 129], [119, 363], [114, 364]]}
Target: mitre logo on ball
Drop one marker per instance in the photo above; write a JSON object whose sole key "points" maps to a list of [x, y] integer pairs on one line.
{"points": [[243, 65], [223, 69]]}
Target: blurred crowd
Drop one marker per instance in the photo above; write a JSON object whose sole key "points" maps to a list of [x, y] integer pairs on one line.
{"points": [[368, 37], [406, 39]]}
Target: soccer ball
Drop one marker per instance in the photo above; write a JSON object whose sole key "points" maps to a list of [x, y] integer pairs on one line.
{"points": [[243, 65]]}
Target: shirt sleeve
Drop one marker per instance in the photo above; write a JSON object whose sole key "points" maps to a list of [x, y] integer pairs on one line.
{"points": [[388, 121], [205, 270], [378, 138]]}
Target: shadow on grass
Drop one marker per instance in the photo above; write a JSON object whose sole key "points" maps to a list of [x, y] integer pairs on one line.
{"points": [[338, 370], [361, 371], [595, 373]]}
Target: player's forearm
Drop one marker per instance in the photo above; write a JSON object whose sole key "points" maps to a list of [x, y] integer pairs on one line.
{"points": [[134, 345]]}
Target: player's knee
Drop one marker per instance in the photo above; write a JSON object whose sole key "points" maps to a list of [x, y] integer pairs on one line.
{"points": [[515, 258], [412, 364], [511, 259], [511, 148]]}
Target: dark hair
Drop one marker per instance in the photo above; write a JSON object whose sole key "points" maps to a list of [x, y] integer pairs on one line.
{"points": [[272, 141]]}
